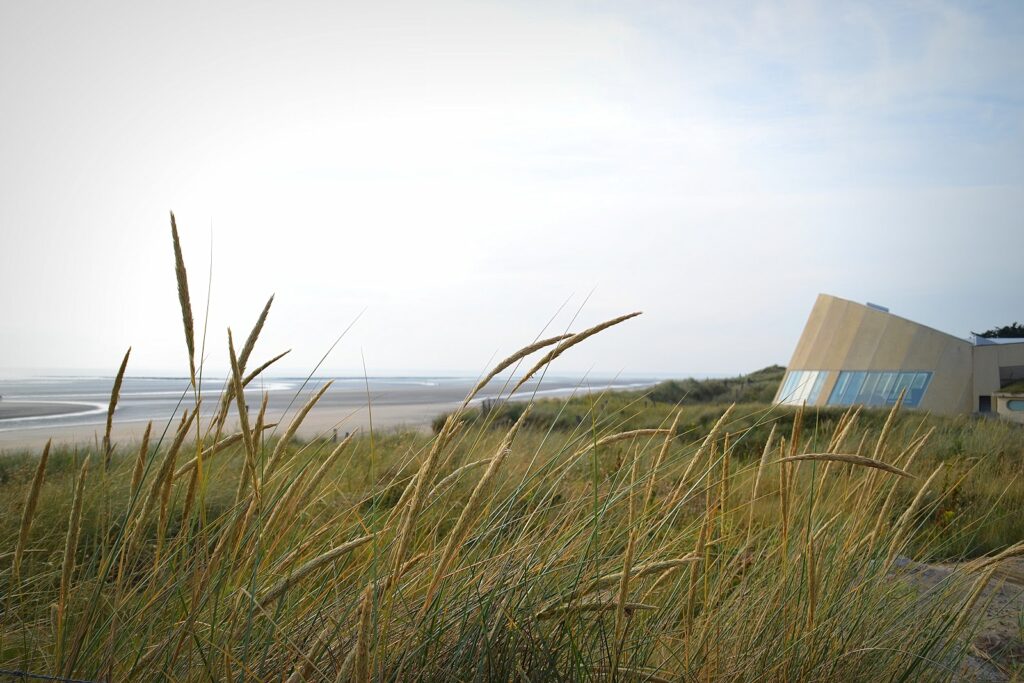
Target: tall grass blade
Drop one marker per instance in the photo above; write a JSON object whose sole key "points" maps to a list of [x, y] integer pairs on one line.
{"points": [[115, 392], [183, 299]]}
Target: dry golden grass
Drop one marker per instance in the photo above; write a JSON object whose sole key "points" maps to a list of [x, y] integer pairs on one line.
{"points": [[184, 300], [114, 394], [566, 344], [28, 513], [849, 459]]}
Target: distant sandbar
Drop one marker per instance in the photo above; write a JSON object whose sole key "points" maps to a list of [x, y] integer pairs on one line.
{"points": [[15, 410]]}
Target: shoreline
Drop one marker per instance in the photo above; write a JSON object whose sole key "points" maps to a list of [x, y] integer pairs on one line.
{"points": [[343, 411]]}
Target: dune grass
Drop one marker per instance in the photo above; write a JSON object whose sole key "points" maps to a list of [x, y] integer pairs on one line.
{"points": [[519, 575], [225, 551], [983, 475]]}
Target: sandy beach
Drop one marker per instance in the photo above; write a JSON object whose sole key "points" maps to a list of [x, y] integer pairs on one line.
{"points": [[73, 411], [318, 423]]}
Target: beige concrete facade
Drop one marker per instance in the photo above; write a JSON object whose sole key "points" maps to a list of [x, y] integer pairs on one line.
{"points": [[873, 346], [995, 364], [1010, 407]]}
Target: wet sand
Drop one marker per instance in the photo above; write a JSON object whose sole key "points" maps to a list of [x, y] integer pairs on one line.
{"points": [[16, 410]]}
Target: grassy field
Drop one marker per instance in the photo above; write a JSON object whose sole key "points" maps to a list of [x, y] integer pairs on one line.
{"points": [[982, 458], [619, 537], [589, 553]]}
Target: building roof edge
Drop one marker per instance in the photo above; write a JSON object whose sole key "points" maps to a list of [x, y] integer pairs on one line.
{"points": [[876, 309]]}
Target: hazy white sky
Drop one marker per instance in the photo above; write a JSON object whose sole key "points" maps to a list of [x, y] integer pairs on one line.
{"points": [[461, 170]]}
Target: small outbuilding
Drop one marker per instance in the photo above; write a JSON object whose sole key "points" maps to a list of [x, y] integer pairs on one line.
{"points": [[861, 354]]}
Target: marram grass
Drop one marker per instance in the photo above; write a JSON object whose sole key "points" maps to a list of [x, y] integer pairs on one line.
{"points": [[514, 577], [597, 553]]}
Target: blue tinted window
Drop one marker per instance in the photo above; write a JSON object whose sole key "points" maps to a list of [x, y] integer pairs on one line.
{"points": [[853, 387], [819, 382], [879, 388], [867, 390], [903, 383], [802, 386], [883, 394], [837, 390], [788, 384], [916, 391]]}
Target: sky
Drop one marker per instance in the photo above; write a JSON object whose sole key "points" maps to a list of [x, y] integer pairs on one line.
{"points": [[458, 178]]}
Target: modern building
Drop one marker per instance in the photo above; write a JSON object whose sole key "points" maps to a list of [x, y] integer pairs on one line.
{"points": [[851, 353]]}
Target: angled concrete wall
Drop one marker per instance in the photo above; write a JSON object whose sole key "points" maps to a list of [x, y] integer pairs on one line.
{"points": [[988, 361], [845, 335]]}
